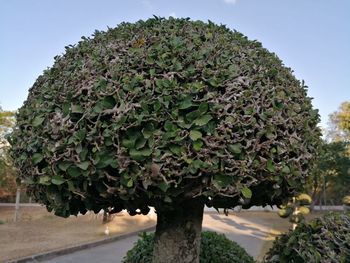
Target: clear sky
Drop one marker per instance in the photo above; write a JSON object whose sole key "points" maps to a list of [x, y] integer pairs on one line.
{"points": [[310, 36]]}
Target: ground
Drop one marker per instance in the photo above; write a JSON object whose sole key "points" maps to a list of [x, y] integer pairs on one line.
{"points": [[39, 231]]}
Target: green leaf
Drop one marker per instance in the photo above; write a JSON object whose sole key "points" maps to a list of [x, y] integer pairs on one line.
{"points": [[270, 135], [157, 105], [203, 120], [83, 165], [235, 148], [214, 82], [221, 180], [246, 192], [128, 143], [28, 181], [76, 109], [130, 183], [197, 145], [147, 131], [107, 102], [248, 111], [103, 159], [73, 171], [140, 154], [269, 166], [45, 180], [163, 186], [203, 107], [185, 104], [191, 116], [57, 180], [38, 120], [37, 158], [285, 169], [169, 126], [195, 135], [197, 85], [80, 135], [64, 165], [146, 152], [176, 149], [152, 71], [140, 143]]}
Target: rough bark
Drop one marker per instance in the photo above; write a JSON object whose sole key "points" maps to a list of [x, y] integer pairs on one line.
{"points": [[178, 233], [106, 218]]}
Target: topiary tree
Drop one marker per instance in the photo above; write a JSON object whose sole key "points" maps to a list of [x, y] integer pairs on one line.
{"points": [[296, 209], [173, 114]]}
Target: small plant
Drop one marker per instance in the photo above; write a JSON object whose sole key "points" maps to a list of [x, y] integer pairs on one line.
{"points": [[325, 239], [296, 209], [2, 222], [215, 248]]}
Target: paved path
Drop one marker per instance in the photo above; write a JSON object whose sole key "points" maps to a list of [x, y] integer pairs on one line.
{"points": [[250, 233], [109, 253]]}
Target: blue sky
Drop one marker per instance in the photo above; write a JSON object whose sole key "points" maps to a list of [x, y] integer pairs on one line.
{"points": [[310, 36]]}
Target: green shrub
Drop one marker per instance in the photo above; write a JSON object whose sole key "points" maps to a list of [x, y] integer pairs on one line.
{"points": [[215, 248], [325, 239]]}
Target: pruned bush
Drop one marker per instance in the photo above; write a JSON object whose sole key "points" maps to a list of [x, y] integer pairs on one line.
{"points": [[215, 248], [303, 199], [296, 209], [323, 240]]}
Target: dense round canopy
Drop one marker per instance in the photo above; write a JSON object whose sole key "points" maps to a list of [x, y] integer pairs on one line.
{"points": [[161, 111]]}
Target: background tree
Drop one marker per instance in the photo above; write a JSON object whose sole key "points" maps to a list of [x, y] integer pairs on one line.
{"points": [[172, 114], [339, 124], [7, 172], [331, 176]]}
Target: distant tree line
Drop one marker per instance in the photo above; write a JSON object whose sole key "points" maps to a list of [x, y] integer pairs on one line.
{"points": [[7, 172], [330, 180]]}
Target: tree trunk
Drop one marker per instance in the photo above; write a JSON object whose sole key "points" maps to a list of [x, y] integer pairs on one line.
{"points": [[106, 217], [178, 233]]}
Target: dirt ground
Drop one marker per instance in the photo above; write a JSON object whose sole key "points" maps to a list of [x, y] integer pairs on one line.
{"points": [[40, 231]]}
